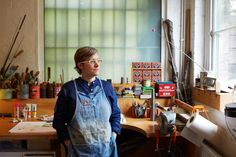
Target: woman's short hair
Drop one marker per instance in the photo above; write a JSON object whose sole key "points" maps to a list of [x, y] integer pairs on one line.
{"points": [[82, 54]]}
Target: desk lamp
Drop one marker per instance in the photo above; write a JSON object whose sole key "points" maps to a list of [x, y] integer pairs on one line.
{"points": [[230, 118]]}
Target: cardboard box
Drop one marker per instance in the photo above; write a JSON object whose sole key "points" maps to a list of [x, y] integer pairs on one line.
{"points": [[165, 93], [156, 65], [147, 77], [147, 65], [138, 79], [165, 89], [147, 73], [137, 64], [137, 73], [156, 78], [156, 73]]}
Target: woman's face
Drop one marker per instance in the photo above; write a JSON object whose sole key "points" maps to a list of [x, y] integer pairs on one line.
{"points": [[91, 67]]}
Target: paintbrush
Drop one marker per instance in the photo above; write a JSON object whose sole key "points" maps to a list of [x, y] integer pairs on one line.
{"points": [[49, 73], [14, 57], [12, 45], [10, 72]]}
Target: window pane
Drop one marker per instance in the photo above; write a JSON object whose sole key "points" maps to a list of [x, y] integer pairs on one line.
{"points": [[123, 31], [224, 40]]}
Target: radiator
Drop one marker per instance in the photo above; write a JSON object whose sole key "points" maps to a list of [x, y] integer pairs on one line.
{"points": [[207, 151]]}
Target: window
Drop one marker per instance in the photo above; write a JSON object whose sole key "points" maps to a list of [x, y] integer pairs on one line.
{"points": [[123, 31], [224, 37]]}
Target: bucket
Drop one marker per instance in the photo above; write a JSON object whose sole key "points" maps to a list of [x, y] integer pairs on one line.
{"points": [[6, 93]]}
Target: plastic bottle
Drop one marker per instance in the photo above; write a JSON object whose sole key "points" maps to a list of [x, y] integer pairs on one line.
{"points": [[34, 110], [16, 110]]}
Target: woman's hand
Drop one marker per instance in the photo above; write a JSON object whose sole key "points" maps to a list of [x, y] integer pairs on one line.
{"points": [[114, 134]]}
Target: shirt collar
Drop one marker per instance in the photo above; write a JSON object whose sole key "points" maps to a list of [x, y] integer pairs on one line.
{"points": [[95, 82]]}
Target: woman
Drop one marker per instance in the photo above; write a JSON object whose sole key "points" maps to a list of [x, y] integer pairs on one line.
{"points": [[87, 115]]}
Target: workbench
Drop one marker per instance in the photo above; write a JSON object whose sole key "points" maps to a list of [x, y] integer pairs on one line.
{"points": [[46, 106], [141, 126], [7, 124]]}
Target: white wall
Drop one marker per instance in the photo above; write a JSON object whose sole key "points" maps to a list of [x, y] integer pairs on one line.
{"points": [[197, 35], [171, 9], [11, 12]]}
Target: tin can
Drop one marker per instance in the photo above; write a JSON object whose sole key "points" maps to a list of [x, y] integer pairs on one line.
{"points": [[34, 91], [24, 91], [43, 90], [49, 89]]}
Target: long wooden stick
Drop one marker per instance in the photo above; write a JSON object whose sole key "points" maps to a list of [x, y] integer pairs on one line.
{"points": [[178, 92], [13, 43]]}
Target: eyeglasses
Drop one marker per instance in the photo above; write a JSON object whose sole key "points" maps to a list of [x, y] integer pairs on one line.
{"points": [[93, 61]]}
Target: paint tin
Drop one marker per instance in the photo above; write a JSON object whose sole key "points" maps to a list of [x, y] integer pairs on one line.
{"points": [[43, 90], [49, 89], [6, 93], [34, 91], [24, 91]]}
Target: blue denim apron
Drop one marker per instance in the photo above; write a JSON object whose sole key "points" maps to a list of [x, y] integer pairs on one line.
{"points": [[90, 130]]}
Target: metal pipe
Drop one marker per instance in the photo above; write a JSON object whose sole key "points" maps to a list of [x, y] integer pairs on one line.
{"points": [[153, 106]]}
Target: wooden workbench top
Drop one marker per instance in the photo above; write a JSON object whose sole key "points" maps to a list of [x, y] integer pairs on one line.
{"points": [[141, 125], [46, 106], [7, 124]]}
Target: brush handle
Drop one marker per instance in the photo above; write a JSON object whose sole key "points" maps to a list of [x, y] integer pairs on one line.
{"points": [[49, 73]]}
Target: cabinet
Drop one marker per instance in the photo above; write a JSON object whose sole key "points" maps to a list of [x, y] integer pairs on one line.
{"points": [[27, 148], [211, 98], [11, 154]]}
